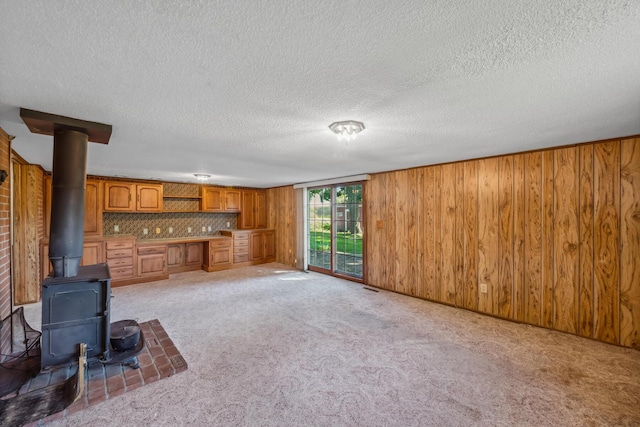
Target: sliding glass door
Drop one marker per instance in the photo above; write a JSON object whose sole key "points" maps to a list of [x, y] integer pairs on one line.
{"points": [[335, 233]]}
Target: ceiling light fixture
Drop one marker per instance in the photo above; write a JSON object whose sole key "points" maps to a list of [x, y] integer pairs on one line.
{"points": [[347, 130], [202, 176]]}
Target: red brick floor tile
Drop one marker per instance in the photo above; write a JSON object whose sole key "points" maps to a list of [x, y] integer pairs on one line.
{"points": [[145, 359], [76, 406], [33, 424], [115, 383], [156, 351], [161, 360], [172, 351], [149, 373]]}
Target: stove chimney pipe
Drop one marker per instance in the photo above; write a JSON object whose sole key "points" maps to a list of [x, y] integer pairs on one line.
{"points": [[67, 201], [70, 142]]}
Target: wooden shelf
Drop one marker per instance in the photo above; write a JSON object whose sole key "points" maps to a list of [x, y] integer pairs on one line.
{"points": [[181, 197]]}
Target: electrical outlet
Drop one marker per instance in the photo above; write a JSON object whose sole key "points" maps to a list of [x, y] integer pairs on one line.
{"points": [[170, 230], [228, 224], [483, 288], [158, 230], [209, 228], [204, 228], [116, 228], [188, 229], [145, 231]]}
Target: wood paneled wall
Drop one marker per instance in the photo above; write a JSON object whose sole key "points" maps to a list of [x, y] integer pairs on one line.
{"points": [[549, 238], [27, 231], [281, 216]]}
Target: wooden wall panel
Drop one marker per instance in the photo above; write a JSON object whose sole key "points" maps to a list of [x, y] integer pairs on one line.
{"points": [[546, 299], [447, 235], [606, 202], [405, 226], [533, 237], [505, 238], [428, 237], [519, 259], [390, 228], [630, 238], [565, 244], [373, 191], [471, 235], [585, 300], [459, 235], [415, 230], [281, 216], [488, 235], [437, 228]]}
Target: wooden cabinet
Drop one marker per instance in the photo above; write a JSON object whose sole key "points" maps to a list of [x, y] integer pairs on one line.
{"points": [[129, 197], [92, 207], [263, 246], [216, 199], [217, 254], [152, 260], [120, 257], [184, 256], [253, 212], [92, 253], [193, 254], [252, 247], [149, 197], [175, 256]]}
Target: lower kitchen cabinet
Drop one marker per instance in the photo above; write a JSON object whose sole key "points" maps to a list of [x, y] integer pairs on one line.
{"points": [[152, 261], [217, 254], [184, 256], [252, 247]]}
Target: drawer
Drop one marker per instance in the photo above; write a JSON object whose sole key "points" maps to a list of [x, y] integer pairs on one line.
{"points": [[241, 243], [220, 243], [152, 250], [240, 257], [119, 253], [240, 236], [241, 250], [120, 262], [121, 272], [114, 244]]}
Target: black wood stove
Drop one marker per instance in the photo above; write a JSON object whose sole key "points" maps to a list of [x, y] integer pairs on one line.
{"points": [[75, 299]]}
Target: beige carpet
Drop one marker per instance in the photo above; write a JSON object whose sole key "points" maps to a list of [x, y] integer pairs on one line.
{"points": [[270, 346]]}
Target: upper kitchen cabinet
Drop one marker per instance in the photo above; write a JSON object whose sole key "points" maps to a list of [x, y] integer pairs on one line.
{"points": [[92, 206], [215, 199], [129, 197], [253, 212]]}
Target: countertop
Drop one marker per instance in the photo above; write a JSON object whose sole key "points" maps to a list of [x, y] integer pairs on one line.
{"points": [[170, 240]]}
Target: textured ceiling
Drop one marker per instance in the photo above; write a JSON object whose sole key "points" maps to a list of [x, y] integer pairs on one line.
{"points": [[245, 90]]}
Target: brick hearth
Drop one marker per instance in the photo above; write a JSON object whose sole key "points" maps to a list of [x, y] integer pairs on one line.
{"points": [[159, 359]]}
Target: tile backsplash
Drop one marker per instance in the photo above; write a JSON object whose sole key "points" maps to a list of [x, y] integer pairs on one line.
{"points": [[135, 223]]}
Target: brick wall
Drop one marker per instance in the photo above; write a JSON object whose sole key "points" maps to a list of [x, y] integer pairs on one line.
{"points": [[5, 243]]}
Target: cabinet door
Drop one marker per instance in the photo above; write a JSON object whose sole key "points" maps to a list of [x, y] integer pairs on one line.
{"points": [[175, 255], [212, 199], [152, 265], [92, 253], [149, 197], [247, 217], [269, 241], [220, 256], [93, 208], [232, 201], [256, 246], [261, 209], [119, 196], [193, 254]]}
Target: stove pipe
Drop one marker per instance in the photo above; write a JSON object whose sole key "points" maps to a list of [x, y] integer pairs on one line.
{"points": [[67, 201]]}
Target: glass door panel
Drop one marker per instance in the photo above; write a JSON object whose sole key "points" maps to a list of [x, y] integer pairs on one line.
{"points": [[319, 228], [347, 230]]}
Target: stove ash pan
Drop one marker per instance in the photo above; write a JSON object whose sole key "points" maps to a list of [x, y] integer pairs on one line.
{"points": [[76, 310]]}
